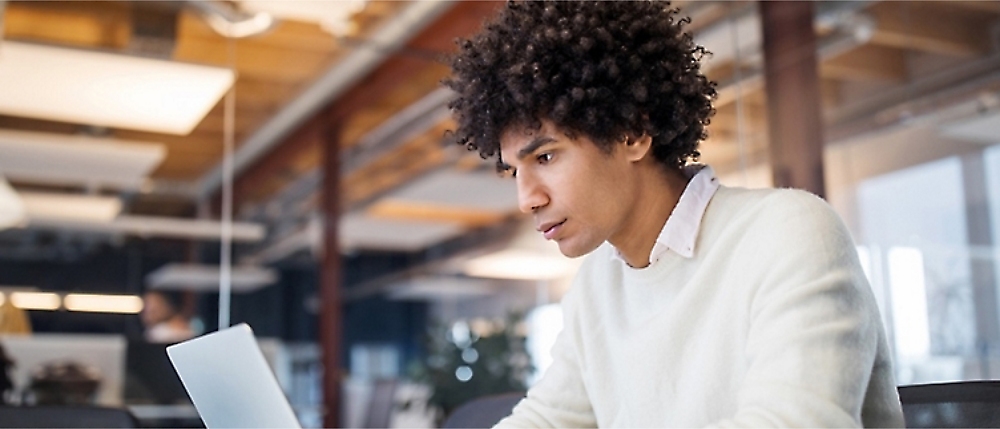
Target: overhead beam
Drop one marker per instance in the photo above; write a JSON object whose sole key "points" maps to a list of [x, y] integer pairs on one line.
{"points": [[867, 63], [931, 27], [102, 24], [461, 20]]}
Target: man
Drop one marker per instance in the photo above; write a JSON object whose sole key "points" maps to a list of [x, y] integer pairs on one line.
{"points": [[163, 319], [699, 304]]}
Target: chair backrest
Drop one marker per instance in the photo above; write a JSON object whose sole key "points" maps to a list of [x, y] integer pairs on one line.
{"points": [[68, 416], [966, 404], [483, 412], [381, 404]]}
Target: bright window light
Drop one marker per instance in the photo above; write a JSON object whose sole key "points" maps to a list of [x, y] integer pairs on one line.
{"points": [[909, 302], [866, 261], [125, 304], [35, 300], [544, 325], [108, 90]]}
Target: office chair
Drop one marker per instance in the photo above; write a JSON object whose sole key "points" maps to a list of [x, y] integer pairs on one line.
{"points": [[966, 404], [65, 416], [483, 412]]}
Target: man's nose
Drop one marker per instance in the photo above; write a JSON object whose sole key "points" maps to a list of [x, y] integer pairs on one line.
{"points": [[530, 195]]}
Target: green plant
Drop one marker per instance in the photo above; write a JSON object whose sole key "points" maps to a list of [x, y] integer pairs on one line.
{"points": [[462, 364]]}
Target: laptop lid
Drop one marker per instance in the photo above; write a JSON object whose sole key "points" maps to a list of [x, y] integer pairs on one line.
{"points": [[229, 381]]}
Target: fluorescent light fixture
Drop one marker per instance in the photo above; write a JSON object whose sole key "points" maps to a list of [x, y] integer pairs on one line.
{"points": [[155, 226], [65, 159], [517, 264], [109, 90], [35, 300], [91, 303], [41, 206], [12, 211], [434, 288], [205, 278]]}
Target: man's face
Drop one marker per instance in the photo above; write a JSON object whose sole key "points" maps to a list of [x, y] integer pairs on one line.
{"points": [[155, 309], [579, 195]]}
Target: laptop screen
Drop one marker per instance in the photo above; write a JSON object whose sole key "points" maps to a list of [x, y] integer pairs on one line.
{"points": [[230, 382]]}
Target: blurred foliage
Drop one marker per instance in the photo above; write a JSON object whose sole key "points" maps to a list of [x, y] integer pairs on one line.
{"points": [[465, 362]]}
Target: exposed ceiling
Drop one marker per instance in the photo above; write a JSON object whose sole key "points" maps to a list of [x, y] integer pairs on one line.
{"points": [[403, 189]]}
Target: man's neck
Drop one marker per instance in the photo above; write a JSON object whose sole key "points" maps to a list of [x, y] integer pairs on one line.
{"points": [[656, 200]]}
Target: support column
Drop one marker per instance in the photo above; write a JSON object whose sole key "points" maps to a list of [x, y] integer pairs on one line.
{"points": [[982, 266], [793, 95], [331, 306]]}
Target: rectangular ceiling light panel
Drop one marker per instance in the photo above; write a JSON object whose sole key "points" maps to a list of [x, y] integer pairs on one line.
{"points": [[109, 90], [63, 159], [41, 206], [205, 278]]}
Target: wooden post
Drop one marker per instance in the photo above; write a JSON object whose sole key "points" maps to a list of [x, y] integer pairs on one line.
{"points": [[793, 96], [331, 314]]}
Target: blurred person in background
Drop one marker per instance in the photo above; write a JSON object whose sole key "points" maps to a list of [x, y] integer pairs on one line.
{"points": [[698, 304], [162, 316]]}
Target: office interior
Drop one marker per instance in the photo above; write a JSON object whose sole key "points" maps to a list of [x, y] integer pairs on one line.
{"points": [[285, 164]]}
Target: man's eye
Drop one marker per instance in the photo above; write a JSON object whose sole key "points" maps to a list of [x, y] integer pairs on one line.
{"points": [[544, 158]]}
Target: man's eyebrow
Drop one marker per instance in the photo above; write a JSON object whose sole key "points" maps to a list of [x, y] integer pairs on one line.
{"points": [[531, 147]]}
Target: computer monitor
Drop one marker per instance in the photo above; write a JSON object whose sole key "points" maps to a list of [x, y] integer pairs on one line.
{"points": [[149, 376]]}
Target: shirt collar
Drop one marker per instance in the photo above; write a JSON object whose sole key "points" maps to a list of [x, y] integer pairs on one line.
{"points": [[681, 229]]}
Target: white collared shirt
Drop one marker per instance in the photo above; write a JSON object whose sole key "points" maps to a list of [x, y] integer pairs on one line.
{"points": [[681, 230]]}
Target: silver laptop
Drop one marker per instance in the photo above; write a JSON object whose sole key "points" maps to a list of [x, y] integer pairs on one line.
{"points": [[229, 381]]}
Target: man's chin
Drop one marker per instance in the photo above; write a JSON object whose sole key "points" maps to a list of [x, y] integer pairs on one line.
{"points": [[571, 251]]}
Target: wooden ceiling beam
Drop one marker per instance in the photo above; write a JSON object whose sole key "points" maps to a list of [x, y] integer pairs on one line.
{"points": [[931, 27], [291, 35], [977, 5], [462, 20], [867, 63], [261, 62], [392, 209], [85, 24]]}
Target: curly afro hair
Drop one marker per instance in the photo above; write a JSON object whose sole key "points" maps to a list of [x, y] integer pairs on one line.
{"points": [[604, 69]]}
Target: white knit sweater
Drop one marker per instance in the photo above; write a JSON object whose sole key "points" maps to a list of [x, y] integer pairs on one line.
{"points": [[770, 323]]}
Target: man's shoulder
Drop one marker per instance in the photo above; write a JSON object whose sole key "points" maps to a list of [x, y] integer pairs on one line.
{"points": [[775, 215], [770, 202]]}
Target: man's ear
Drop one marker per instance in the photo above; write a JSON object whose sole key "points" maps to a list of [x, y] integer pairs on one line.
{"points": [[636, 148]]}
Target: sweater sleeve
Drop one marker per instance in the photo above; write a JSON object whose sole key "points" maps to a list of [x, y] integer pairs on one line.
{"points": [[814, 326], [560, 398]]}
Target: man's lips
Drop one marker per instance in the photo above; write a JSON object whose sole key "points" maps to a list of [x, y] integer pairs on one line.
{"points": [[549, 229]]}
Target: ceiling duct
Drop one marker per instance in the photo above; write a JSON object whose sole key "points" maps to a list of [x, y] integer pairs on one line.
{"points": [[154, 29]]}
